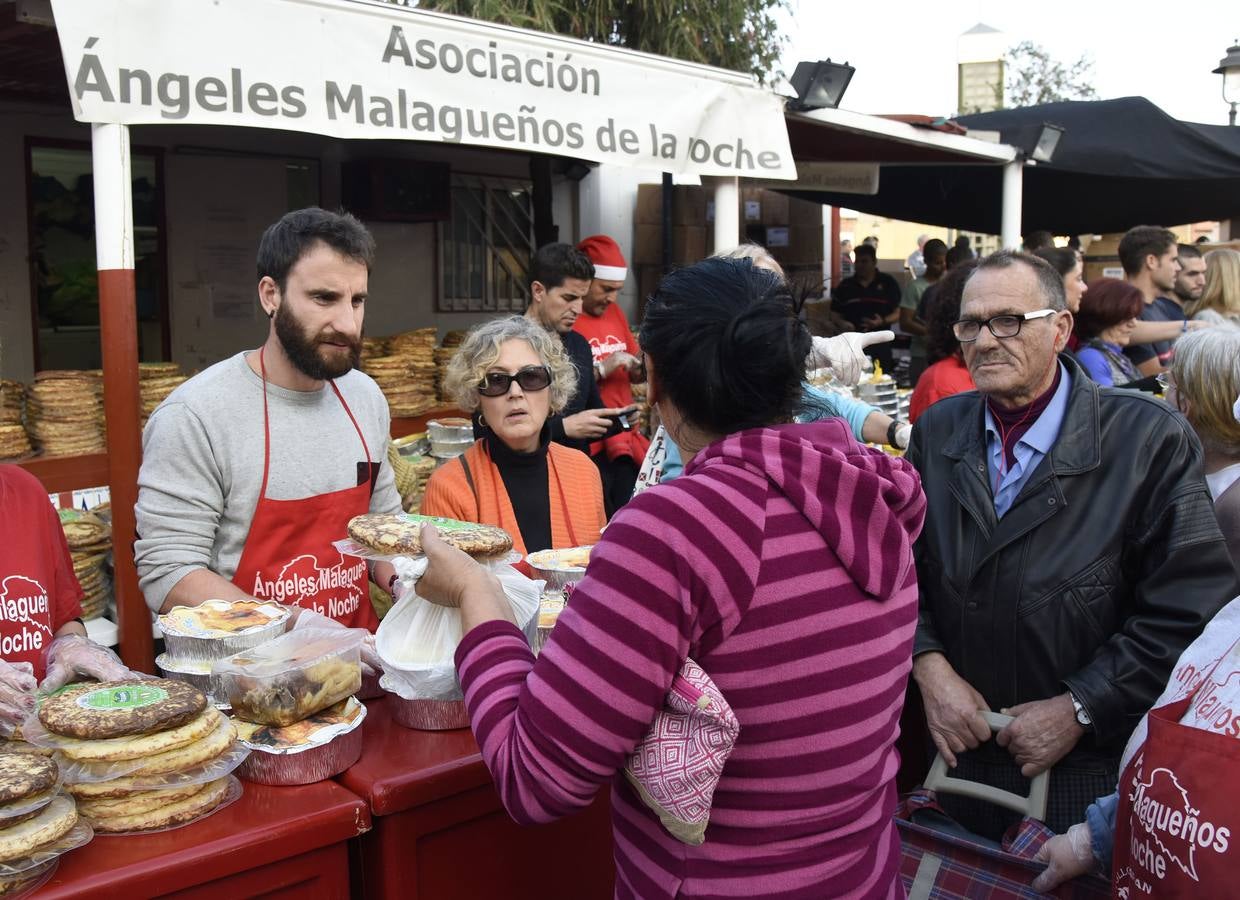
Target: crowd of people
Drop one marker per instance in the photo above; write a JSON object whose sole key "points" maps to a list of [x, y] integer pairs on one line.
{"points": [[1054, 538]]}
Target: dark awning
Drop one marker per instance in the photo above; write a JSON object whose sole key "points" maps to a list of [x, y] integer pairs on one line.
{"points": [[1120, 163]]}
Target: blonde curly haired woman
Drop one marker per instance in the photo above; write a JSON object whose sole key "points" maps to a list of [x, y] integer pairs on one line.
{"points": [[546, 495]]}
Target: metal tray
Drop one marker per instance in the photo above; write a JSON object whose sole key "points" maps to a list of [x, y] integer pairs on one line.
{"points": [[453, 430], [187, 647], [197, 674], [429, 715], [306, 766]]}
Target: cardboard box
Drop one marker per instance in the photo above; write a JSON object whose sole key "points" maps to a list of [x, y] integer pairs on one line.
{"points": [[688, 245], [649, 205], [774, 208], [804, 212], [648, 278], [804, 246], [688, 205]]}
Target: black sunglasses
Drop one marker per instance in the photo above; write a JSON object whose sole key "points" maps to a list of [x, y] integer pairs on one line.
{"points": [[531, 378]]}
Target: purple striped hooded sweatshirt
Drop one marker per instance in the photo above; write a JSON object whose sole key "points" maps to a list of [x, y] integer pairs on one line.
{"points": [[781, 561]]}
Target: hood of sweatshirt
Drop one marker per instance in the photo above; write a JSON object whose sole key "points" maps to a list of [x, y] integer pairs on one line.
{"points": [[868, 506]]}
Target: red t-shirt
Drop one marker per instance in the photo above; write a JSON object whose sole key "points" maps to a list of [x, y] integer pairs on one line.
{"points": [[38, 590], [944, 378], [608, 334]]}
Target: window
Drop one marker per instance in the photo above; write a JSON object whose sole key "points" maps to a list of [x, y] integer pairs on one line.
{"points": [[62, 257], [486, 245]]}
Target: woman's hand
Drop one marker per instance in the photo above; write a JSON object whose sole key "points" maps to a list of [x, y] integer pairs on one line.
{"points": [[17, 686], [454, 579], [1067, 856]]}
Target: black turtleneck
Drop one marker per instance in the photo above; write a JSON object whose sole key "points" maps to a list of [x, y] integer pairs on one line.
{"points": [[525, 479]]}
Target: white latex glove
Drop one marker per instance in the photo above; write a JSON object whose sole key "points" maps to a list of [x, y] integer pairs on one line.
{"points": [[1067, 856], [71, 655], [17, 686], [844, 354], [308, 618], [903, 433]]}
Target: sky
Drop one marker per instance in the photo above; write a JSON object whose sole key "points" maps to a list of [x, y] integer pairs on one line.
{"points": [[906, 59]]}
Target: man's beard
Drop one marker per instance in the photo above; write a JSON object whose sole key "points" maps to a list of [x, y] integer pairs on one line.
{"points": [[303, 351]]}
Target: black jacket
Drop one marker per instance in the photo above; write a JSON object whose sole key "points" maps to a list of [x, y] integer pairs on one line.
{"points": [[1109, 563]]}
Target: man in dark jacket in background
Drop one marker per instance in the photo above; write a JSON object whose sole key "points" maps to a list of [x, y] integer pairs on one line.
{"points": [[1070, 553]]}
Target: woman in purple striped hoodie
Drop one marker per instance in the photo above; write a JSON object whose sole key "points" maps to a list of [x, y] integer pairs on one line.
{"points": [[781, 562]]}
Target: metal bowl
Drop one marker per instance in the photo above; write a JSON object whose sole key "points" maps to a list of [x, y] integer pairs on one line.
{"points": [[450, 430], [305, 766], [429, 715], [557, 576], [196, 673], [184, 646]]}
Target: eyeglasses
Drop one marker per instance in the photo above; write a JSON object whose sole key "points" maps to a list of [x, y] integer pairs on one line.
{"points": [[531, 378], [1165, 381], [1005, 326]]}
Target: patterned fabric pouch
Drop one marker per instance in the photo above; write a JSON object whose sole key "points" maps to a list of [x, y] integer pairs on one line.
{"points": [[676, 766]]}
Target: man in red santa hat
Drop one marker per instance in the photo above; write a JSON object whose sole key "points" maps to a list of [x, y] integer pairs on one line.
{"points": [[617, 366]]}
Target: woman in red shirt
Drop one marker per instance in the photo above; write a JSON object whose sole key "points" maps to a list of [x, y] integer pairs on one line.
{"points": [[41, 633], [947, 373]]}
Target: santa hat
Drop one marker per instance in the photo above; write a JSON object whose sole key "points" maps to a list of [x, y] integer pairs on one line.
{"points": [[609, 263]]}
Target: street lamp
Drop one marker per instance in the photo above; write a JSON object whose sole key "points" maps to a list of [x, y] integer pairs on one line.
{"points": [[820, 84], [1229, 68]]}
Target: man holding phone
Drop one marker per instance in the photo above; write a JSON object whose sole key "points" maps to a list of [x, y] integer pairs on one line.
{"points": [[559, 279], [617, 367]]}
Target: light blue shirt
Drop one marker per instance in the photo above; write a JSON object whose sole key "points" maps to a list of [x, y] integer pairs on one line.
{"points": [[827, 404], [1029, 451]]}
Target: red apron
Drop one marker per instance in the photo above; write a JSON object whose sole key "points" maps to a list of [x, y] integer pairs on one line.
{"points": [[288, 555], [1179, 811]]}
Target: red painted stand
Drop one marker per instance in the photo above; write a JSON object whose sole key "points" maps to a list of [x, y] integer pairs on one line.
{"points": [[440, 832], [274, 842]]}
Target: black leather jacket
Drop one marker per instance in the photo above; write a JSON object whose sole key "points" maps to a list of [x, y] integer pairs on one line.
{"points": [[1109, 563]]}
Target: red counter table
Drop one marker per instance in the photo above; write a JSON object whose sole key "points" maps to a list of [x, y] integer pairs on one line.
{"points": [[440, 832], [274, 842]]}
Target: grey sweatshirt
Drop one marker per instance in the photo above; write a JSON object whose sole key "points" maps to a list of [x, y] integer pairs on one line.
{"points": [[202, 465]]}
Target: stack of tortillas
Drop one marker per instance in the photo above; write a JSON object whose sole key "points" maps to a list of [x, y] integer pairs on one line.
{"points": [[35, 818], [64, 412], [406, 375], [374, 346], [155, 731], [156, 380], [90, 539], [443, 355], [14, 442]]}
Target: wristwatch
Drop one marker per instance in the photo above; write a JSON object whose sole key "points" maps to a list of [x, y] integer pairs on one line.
{"points": [[1082, 714], [891, 432]]}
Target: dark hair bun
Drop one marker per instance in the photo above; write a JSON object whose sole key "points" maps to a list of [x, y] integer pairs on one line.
{"points": [[727, 345]]}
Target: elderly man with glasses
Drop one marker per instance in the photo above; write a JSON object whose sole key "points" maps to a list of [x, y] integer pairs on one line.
{"points": [[1070, 554]]}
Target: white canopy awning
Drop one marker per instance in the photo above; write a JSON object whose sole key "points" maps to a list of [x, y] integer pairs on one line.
{"points": [[374, 70]]}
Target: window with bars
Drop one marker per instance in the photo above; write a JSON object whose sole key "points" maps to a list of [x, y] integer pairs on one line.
{"points": [[486, 245]]}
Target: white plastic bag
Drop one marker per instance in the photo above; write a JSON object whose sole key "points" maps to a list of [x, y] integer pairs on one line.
{"points": [[417, 639]]}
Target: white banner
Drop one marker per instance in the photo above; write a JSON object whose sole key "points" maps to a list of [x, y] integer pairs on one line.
{"points": [[372, 70]]}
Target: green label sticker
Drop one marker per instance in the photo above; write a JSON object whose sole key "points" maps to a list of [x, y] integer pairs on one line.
{"points": [[129, 697], [68, 515], [441, 524]]}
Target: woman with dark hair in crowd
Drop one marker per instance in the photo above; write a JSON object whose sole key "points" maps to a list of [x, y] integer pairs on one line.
{"points": [[1068, 264], [947, 374], [1104, 324], [780, 562]]}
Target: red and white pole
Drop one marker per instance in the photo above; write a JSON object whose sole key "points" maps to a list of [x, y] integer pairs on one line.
{"points": [[118, 334]]}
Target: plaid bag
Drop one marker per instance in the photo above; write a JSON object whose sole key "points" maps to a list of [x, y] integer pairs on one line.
{"points": [[942, 862]]}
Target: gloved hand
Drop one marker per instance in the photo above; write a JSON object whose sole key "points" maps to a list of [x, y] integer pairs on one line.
{"points": [[1067, 856], [71, 655], [844, 354], [17, 686], [904, 431], [371, 664]]}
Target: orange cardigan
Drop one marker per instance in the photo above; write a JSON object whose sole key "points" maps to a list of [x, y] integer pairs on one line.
{"points": [[572, 480]]}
